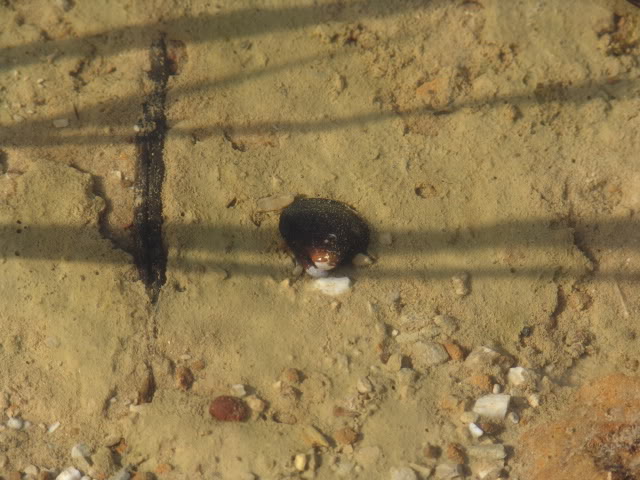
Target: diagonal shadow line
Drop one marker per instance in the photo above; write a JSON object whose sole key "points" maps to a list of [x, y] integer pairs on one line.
{"points": [[196, 247], [576, 94], [210, 27]]}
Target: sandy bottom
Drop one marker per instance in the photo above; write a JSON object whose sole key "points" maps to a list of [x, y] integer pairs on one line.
{"points": [[491, 145]]}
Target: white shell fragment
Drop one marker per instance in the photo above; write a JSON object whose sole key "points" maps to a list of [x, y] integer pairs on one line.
{"points": [[492, 405], [275, 202], [332, 286]]}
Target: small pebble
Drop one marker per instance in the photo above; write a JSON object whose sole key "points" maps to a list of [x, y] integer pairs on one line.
{"points": [[394, 363], [513, 417], [143, 476], [428, 354], [455, 453], [300, 462], [314, 437], [520, 376], [229, 409], [496, 388], [481, 357], [15, 423], [403, 473], [332, 285], [492, 405], [184, 378], [69, 473], [239, 390], [490, 452], [447, 323], [345, 436], [454, 350], [460, 284], [534, 400], [364, 385], [291, 375], [385, 239], [120, 475], [362, 260], [275, 202], [61, 123], [53, 427], [31, 470], [256, 404], [80, 450], [448, 471], [475, 430]]}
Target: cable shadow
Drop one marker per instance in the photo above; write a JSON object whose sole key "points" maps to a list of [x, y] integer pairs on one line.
{"points": [[528, 247], [40, 130], [210, 27]]}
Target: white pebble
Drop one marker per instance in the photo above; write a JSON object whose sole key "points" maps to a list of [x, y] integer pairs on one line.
{"points": [[513, 417], [403, 473], [53, 427], [475, 430], [332, 286], [275, 202], [492, 405], [519, 376], [497, 388], [69, 473], [60, 123], [238, 390], [300, 462], [15, 423]]}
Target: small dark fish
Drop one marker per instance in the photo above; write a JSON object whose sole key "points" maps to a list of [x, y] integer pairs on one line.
{"points": [[323, 233]]}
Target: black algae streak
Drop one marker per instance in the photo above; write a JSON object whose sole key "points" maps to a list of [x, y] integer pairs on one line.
{"points": [[150, 253]]}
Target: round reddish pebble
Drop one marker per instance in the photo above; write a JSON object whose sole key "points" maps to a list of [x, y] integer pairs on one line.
{"points": [[229, 409]]}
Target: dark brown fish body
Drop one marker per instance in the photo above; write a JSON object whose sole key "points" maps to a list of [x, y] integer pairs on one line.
{"points": [[323, 233]]}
